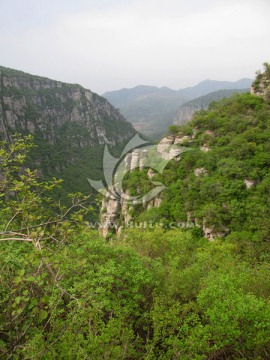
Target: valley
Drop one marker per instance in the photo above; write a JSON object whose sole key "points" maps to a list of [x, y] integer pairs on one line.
{"points": [[152, 110], [177, 266]]}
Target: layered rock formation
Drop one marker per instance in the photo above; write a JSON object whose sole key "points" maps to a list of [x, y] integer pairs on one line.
{"points": [[117, 206], [69, 124], [39, 105], [167, 148]]}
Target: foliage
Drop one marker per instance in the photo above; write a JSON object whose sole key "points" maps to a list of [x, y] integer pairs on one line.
{"points": [[26, 210], [152, 293], [206, 304], [232, 192]]}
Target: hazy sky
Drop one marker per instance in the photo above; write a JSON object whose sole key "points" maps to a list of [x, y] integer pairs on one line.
{"points": [[110, 44]]}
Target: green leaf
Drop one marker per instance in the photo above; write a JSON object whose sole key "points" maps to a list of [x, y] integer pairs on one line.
{"points": [[33, 303], [21, 272], [42, 315], [17, 299]]}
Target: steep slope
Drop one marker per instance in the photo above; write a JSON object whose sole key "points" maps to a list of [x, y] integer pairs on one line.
{"points": [[37, 104], [70, 124], [151, 109], [221, 185], [187, 110]]}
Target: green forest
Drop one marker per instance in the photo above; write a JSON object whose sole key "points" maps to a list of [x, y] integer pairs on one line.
{"points": [[154, 293]]}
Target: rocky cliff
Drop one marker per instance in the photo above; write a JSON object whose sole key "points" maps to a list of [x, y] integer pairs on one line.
{"points": [[70, 126], [39, 105], [117, 212], [188, 109], [118, 205], [261, 85]]}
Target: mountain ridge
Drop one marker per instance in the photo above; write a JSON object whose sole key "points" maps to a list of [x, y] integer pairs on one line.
{"points": [[54, 103], [151, 109], [70, 124], [187, 110], [140, 90]]}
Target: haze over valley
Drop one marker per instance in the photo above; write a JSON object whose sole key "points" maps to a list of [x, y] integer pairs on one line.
{"points": [[152, 110]]}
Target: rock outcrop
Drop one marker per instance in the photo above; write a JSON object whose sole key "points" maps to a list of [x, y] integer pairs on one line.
{"points": [[211, 233], [200, 172], [249, 183], [261, 85], [117, 212], [167, 147], [117, 206]]}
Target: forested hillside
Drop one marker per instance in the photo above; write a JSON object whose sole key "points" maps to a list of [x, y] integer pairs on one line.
{"points": [[222, 182], [159, 291]]}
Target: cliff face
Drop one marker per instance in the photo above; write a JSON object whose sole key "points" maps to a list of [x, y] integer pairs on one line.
{"points": [[39, 105], [187, 110], [116, 211], [70, 125]]}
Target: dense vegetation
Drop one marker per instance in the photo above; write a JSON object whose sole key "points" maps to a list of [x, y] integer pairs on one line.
{"points": [[156, 293], [234, 134], [66, 293]]}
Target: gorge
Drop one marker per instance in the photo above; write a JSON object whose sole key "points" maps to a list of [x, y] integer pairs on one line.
{"points": [[152, 292]]}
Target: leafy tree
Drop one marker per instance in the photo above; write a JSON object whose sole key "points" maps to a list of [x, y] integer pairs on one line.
{"points": [[27, 212]]}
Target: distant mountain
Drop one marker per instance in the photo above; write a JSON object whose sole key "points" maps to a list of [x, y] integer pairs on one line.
{"points": [[187, 110], [120, 98], [208, 86], [151, 109]]}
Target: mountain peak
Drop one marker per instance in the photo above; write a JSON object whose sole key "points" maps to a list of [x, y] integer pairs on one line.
{"points": [[152, 109]]}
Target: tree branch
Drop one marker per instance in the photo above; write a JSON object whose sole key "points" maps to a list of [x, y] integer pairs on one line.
{"points": [[17, 239]]}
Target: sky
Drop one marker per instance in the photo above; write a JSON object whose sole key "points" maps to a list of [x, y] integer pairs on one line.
{"points": [[106, 45]]}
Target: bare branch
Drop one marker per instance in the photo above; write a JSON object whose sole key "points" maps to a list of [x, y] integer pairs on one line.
{"points": [[17, 239]]}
